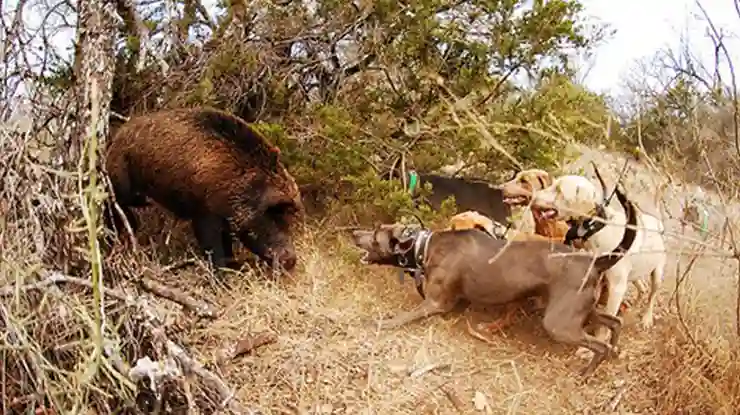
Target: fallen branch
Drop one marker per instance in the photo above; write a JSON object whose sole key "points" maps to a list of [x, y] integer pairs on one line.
{"points": [[153, 323], [611, 405], [246, 345], [428, 368], [188, 364], [454, 399], [199, 308], [55, 278]]}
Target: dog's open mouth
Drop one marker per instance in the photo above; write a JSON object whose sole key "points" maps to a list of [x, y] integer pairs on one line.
{"points": [[516, 200], [365, 260], [547, 213]]}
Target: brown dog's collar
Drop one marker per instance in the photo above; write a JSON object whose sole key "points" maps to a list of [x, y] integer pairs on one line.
{"points": [[414, 257], [412, 261]]}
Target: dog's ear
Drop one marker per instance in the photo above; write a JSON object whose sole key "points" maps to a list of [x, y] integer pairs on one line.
{"points": [[601, 179], [363, 238], [545, 180]]}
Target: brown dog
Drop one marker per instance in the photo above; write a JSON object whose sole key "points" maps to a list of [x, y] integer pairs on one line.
{"points": [[518, 192], [474, 220], [471, 265]]}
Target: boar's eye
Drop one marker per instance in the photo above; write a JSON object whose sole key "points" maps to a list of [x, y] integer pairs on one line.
{"points": [[280, 209], [281, 212]]}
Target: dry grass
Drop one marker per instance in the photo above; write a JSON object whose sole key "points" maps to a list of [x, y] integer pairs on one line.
{"points": [[327, 356]]}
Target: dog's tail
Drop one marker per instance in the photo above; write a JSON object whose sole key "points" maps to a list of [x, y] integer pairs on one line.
{"points": [[606, 261]]}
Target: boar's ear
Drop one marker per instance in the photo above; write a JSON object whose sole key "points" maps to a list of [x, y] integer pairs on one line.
{"points": [[273, 154]]}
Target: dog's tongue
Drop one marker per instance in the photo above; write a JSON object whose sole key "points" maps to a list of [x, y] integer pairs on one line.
{"points": [[536, 213], [543, 213]]}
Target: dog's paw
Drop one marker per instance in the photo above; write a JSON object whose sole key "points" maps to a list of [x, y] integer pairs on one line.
{"points": [[584, 353], [647, 322], [614, 352]]}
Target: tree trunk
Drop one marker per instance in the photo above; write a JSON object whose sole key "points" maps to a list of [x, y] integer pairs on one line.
{"points": [[94, 70]]}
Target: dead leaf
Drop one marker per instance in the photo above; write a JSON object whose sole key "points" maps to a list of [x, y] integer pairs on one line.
{"points": [[251, 342]]}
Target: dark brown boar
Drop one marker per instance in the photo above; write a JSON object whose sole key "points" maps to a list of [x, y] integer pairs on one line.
{"points": [[212, 168]]}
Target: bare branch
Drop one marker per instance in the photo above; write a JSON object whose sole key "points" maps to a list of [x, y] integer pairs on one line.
{"points": [[719, 44]]}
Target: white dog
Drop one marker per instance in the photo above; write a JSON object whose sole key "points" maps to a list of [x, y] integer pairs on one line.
{"points": [[576, 198]]}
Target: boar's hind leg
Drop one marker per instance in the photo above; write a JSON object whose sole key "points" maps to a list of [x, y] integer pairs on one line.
{"points": [[226, 240], [209, 232]]}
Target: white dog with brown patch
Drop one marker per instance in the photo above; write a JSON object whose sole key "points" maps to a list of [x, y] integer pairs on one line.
{"points": [[577, 198]]}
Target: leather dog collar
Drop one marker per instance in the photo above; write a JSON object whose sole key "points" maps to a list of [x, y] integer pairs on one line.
{"points": [[586, 228], [412, 261]]}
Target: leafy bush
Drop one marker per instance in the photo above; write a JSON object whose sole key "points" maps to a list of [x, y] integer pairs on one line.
{"points": [[422, 83]]}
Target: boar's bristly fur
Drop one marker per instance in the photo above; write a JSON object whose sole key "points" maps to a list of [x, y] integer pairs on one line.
{"points": [[212, 168]]}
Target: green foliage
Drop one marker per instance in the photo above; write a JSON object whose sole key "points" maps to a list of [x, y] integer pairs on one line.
{"points": [[375, 195], [429, 82]]}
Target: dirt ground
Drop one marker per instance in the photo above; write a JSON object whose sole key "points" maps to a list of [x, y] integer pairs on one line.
{"points": [[328, 358]]}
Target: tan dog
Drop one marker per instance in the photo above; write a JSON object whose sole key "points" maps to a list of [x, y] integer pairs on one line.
{"points": [[473, 220], [518, 192]]}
